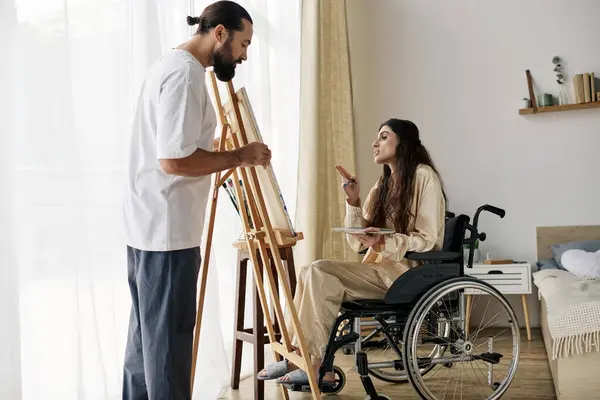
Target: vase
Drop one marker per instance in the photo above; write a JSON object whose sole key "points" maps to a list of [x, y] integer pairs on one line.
{"points": [[562, 96], [545, 100]]}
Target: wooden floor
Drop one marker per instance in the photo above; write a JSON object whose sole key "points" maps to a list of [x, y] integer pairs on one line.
{"points": [[532, 380]]}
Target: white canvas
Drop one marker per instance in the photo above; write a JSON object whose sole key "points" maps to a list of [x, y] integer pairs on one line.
{"points": [[272, 195]]}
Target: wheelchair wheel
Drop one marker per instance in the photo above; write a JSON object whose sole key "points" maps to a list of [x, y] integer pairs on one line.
{"points": [[381, 356], [340, 381], [484, 358]]}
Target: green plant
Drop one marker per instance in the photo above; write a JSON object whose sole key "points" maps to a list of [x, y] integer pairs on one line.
{"points": [[558, 69], [466, 246]]}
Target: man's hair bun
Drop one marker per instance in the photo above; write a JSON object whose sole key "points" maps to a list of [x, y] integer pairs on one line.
{"points": [[193, 20]]}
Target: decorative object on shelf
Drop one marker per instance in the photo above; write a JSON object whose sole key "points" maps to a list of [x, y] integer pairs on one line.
{"points": [[534, 109], [560, 79], [546, 100], [526, 103], [530, 88]]}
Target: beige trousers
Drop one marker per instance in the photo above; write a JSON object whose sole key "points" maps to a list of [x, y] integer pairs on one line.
{"points": [[323, 286]]}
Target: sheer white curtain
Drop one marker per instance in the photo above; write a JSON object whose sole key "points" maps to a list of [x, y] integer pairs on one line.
{"points": [[70, 71]]}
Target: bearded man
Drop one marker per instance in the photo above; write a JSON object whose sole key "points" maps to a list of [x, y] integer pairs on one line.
{"points": [[171, 159]]}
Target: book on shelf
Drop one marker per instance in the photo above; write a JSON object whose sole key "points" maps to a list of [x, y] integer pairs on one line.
{"points": [[584, 86], [593, 87]]}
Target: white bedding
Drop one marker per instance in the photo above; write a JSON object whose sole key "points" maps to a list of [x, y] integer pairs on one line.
{"points": [[573, 310], [581, 263]]}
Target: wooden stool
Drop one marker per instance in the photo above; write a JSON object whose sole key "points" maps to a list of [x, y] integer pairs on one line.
{"points": [[257, 335]]}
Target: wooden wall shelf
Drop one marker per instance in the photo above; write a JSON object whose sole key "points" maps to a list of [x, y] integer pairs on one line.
{"points": [[566, 107]]}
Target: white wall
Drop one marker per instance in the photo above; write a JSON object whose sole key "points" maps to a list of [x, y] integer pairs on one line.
{"points": [[457, 69]]}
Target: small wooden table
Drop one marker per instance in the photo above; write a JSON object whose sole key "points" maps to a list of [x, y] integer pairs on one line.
{"points": [[508, 279]]}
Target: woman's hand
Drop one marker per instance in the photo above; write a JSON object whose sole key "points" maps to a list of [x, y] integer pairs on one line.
{"points": [[374, 241], [350, 185]]}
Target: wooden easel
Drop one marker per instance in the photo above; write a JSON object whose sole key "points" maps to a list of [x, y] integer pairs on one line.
{"points": [[260, 237], [257, 334]]}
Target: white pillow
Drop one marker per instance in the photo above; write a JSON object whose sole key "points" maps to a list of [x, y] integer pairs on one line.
{"points": [[581, 262]]}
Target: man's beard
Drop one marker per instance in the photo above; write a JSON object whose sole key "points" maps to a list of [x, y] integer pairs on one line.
{"points": [[223, 63]]}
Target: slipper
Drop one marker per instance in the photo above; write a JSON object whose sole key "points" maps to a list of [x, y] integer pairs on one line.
{"points": [[299, 377], [296, 377], [275, 370]]}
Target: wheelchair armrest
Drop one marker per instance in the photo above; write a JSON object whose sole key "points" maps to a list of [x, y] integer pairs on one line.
{"points": [[434, 256]]}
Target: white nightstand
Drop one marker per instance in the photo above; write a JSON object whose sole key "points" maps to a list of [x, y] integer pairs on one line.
{"points": [[508, 279]]}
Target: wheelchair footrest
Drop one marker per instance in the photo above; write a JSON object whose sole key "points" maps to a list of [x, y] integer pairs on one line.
{"points": [[300, 387], [436, 340], [297, 387], [492, 358], [305, 387]]}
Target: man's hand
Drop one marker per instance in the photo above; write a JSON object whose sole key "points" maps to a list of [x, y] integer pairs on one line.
{"points": [[374, 241], [253, 154], [202, 162], [216, 143]]}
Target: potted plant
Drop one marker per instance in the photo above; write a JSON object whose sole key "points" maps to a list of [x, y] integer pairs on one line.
{"points": [[476, 253]]}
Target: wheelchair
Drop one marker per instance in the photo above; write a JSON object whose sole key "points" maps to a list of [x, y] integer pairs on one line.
{"points": [[418, 332]]}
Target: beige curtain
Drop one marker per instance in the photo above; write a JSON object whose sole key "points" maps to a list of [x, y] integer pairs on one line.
{"points": [[327, 131]]}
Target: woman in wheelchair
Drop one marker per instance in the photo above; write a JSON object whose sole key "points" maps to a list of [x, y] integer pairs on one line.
{"points": [[408, 198], [412, 286]]}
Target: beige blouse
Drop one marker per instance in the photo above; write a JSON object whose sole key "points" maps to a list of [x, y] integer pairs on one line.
{"points": [[426, 230]]}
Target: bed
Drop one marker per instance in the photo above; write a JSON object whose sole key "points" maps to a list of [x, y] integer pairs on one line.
{"points": [[569, 312]]}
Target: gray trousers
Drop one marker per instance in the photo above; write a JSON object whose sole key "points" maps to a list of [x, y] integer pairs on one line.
{"points": [[158, 357]]}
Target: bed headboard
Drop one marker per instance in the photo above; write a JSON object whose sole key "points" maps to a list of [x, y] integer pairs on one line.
{"points": [[548, 235]]}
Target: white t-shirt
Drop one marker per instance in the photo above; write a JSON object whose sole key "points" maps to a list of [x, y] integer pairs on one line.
{"points": [[174, 117]]}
